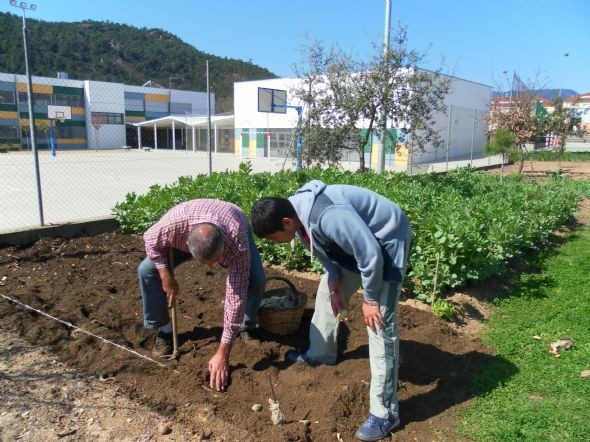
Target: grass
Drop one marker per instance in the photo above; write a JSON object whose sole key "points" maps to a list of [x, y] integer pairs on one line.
{"points": [[551, 155], [532, 395]]}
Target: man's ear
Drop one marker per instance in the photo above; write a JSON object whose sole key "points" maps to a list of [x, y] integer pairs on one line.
{"points": [[288, 223]]}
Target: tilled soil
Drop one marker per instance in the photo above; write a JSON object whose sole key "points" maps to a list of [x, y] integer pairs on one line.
{"points": [[91, 282]]}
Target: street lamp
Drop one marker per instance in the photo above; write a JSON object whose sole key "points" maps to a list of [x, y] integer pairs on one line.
{"points": [[381, 156], [566, 54], [508, 84], [31, 7]]}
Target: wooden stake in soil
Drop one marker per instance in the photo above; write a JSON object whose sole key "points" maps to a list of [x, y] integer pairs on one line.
{"points": [[175, 353]]}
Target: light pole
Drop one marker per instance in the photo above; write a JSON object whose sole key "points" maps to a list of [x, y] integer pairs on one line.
{"points": [[566, 54], [508, 84], [381, 156], [24, 6], [172, 77]]}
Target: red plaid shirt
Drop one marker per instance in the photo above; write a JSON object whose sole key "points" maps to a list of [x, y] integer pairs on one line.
{"points": [[172, 230]]}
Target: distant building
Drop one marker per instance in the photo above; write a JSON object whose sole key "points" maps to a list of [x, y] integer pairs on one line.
{"points": [[582, 103], [102, 113], [259, 133]]}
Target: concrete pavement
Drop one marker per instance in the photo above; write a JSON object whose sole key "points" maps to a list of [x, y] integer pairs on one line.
{"points": [[79, 185]]}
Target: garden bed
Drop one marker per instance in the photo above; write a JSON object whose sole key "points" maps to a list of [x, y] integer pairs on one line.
{"points": [[91, 282]]}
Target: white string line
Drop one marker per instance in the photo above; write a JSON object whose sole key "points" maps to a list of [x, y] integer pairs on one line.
{"points": [[69, 324]]}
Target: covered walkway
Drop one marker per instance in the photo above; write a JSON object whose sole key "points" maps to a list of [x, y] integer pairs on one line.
{"points": [[188, 132]]}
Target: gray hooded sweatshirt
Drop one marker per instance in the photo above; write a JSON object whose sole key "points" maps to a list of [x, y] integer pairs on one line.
{"points": [[370, 233]]}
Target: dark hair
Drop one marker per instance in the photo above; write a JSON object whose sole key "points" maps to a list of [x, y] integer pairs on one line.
{"points": [[268, 213], [205, 241]]}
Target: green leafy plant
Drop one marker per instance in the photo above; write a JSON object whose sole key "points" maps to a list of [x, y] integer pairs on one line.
{"points": [[245, 167], [443, 309], [467, 225]]}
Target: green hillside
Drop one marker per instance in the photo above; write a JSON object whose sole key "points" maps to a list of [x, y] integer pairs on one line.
{"points": [[112, 52]]}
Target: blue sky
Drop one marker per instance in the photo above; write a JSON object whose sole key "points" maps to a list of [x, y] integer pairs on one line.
{"points": [[478, 39]]}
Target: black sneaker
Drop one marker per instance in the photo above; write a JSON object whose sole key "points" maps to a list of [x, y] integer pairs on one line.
{"points": [[163, 345]]}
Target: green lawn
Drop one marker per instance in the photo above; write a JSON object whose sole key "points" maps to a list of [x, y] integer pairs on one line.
{"points": [[551, 155], [532, 395]]}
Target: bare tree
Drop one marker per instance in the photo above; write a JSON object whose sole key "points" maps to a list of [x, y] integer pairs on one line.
{"points": [[518, 116]]}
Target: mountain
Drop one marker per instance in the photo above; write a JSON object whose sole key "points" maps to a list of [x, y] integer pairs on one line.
{"points": [[106, 51], [548, 94]]}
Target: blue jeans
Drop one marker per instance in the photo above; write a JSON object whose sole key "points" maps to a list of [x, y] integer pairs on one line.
{"points": [[155, 304]]}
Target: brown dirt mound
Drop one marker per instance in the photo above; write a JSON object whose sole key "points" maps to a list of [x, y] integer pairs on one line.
{"points": [[92, 283]]}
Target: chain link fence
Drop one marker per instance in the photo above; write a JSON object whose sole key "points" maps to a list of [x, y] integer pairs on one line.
{"points": [[97, 141]]}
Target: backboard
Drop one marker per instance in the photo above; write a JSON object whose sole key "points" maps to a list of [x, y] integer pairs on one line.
{"points": [[61, 113], [272, 100]]}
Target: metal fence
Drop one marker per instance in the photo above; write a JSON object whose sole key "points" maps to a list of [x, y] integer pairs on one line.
{"points": [[98, 141]]}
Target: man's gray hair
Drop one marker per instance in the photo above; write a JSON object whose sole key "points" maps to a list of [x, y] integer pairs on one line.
{"points": [[205, 241]]}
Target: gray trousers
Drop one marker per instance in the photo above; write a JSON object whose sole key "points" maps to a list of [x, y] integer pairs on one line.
{"points": [[383, 346]]}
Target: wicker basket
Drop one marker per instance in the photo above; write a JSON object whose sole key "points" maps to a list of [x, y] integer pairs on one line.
{"points": [[283, 321]]}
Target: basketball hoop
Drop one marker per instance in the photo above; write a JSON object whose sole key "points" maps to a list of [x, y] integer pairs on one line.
{"points": [[59, 113]]}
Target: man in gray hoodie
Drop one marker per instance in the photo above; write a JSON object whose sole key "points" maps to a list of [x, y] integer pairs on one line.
{"points": [[361, 238]]}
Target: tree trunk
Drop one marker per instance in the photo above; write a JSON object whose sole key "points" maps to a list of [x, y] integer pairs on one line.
{"points": [[361, 159], [521, 161]]}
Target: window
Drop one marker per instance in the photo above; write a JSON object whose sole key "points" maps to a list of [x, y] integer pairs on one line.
{"points": [[8, 133], [69, 100], [70, 132], [281, 141], [7, 97], [41, 99], [107, 118]]}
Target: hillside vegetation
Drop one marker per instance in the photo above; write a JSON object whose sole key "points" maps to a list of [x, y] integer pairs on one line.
{"points": [[120, 53]]}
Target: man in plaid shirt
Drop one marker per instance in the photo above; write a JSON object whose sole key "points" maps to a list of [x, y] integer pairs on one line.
{"points": [[212, 231]]}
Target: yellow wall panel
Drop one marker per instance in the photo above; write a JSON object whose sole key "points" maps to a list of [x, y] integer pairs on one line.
{"points": [[252, 148], [8, 114], [374, 156], [78, 111], [37, 88], [38, 122], [401, 155], [70, 141], [157, 97], [42, 89], [237, 147]]}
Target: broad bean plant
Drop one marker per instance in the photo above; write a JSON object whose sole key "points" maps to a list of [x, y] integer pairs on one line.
{"points": [[468, 225]]}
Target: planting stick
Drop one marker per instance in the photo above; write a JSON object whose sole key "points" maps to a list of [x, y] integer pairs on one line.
{"points": [[175, 353], [72, 326], [272, 390]]}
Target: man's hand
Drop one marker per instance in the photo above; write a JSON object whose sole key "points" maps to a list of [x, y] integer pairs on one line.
{"points": [[336, 300], [219, 368], [169, 285], [373, 317]]}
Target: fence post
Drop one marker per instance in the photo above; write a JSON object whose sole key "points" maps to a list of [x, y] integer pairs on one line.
{"points": [[472, 137], [449, 137], [209, 120]]}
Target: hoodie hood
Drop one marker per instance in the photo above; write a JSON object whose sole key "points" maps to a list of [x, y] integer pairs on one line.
{"points": [[303, 201]]}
